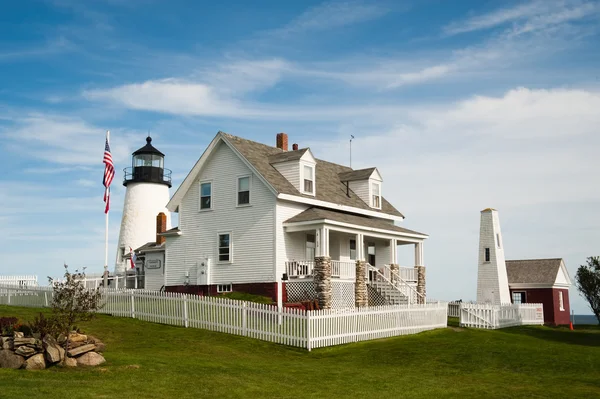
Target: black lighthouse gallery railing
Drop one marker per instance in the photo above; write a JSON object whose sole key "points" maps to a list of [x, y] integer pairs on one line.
{"points": [[147, 174]]}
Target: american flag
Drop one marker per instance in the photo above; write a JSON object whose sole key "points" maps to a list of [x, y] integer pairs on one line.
{"points": [[109, 173]]}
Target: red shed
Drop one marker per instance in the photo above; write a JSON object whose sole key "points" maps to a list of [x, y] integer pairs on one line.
{"points": [[543, 281]]}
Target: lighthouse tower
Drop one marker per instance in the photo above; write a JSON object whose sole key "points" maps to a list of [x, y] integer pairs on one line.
{"points": [[492, 281], [147, 194]]}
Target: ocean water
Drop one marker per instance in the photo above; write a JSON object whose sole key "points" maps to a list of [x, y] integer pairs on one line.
{"points": [[585, 319]]}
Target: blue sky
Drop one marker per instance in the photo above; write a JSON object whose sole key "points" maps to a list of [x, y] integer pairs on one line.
{"points": [[461, 105]]}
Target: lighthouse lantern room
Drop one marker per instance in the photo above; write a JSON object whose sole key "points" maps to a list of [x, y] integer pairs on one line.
{"points": [[147, 185]]}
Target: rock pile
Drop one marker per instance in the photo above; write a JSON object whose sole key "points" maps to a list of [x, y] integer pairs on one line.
{"points": [[32, 353]]}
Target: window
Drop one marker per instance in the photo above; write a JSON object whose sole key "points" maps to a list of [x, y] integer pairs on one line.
{"points": [[487, 254], [310, 247], [243, 190], [309, 179], [205, 195], [353, 249], [561, 304], [376, 195], [498, 240], [224, 247], [518, 298], [224, 288]]}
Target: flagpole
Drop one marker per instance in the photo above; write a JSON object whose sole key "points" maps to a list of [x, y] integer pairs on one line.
{"points": [[105, 274]]}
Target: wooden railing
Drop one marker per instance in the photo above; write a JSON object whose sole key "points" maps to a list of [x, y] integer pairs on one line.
{"points": [[343, 269], [304, 268], [397, 282]]}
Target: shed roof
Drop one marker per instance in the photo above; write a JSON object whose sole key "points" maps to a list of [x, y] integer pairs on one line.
{"points": [[533, 271], [315, 213]]}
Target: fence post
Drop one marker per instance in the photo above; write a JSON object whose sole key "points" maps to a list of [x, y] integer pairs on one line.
{"points": [[308, 343], [185, 311], [132, 306], [8, 296], [46, 297], [244, 320]]}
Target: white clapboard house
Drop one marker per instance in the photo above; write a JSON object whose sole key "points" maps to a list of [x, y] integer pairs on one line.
{"points": [[254, 218]]}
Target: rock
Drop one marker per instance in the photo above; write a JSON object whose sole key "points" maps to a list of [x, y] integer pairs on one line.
{"points": [[24, 341], [92, 340], [82, 349], [90, 359], [54, 352], [62, 339], [69, 362], [9, 360], [76, 337], [35, 362], [73, 345], [25, 351], [100, 347], [6, 343], [18, 334]]}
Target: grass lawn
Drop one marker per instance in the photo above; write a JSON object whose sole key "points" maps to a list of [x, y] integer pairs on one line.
{"points": [[146, 360]]}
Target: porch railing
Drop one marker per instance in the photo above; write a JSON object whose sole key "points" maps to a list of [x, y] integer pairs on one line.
{"points": [[408, 274], [343, 269], [397, 282], [300, 268]]}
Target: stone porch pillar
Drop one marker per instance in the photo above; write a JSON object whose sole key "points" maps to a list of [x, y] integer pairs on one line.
{"points": [[360, 286], [421, 283], [322, 278]]}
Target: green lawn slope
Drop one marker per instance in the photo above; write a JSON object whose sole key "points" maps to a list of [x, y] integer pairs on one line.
{"points": [[146, 360]]}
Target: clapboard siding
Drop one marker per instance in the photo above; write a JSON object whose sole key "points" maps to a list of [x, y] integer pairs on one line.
{"points": [[361, 189], [291, 171], [289, 245], [251, 227], [154, 278]]}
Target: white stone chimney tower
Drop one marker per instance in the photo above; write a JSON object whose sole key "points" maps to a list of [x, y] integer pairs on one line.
{"points": [[147, 194], [492, 282]]}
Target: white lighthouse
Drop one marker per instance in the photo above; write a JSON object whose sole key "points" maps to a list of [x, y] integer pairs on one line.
{"points": [[147, 194], [492, 280]]}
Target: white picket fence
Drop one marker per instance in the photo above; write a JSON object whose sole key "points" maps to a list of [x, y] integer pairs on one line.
{"points": [[453, 309], [288, 326], [489, 316], [19, 281]]}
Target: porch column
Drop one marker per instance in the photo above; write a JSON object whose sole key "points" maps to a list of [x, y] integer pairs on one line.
{"points": [[322, 242], [393, 251], [420, 269], [360, 286], [360, 247], [322, 279]]}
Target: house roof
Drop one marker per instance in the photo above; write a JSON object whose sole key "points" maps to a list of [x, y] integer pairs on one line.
{"points": [[314, 214], [360, 174], [174, 230], [150, 246], [329, 187], [287, 156], [533, 271]]}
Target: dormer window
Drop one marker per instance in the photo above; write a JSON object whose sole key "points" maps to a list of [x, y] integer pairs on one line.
{"points": [[375, 195], [309, 179]]}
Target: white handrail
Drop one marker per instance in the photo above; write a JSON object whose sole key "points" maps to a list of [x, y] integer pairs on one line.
{"points": [[394, 284], [343, 269]]}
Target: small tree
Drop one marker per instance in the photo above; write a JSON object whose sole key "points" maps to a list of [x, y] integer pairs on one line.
{"points": [[72, 302], [588, 283]]}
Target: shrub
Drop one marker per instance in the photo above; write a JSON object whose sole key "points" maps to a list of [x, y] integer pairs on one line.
{"points": [[8, 325], [43, 325]]}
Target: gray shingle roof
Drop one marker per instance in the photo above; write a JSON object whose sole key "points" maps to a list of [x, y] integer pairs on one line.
{"points": [[286, 156], [532, 271], [329, 187], [360, 174], [320, 214], [150, 246]]}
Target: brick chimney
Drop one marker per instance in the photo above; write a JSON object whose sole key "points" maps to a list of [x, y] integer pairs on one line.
{"points": [[161, 227], [282, 141], [295, 147]]}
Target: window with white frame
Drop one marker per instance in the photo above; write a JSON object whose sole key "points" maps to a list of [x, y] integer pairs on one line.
{"points": [[353, 249], [205, 195], [243, 190], [518, 297], [224, 247], [224, 288], [309, 179], [561, 303], [375, 195], [311, 244]]}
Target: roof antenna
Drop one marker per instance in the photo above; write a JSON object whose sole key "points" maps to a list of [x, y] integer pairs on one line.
{"points": [[351, 138]]}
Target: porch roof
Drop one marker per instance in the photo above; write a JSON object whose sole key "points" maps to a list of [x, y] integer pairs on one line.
{"points": [[319, 214]]}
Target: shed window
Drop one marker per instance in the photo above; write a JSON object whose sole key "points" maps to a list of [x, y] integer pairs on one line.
{"points": [[206, 195], [518, 298], [309, 179], [224, 247], [561, 303], [243, 190]]}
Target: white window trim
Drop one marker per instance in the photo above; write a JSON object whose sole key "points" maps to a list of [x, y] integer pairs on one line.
{"points": [[224, 288], [371, 183], [314, 179], [522, 296], [225, 262], [212, 195], [237, 191], [355, 249]]}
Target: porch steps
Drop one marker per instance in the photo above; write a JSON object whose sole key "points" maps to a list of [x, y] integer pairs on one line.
{"points": [[389, 293]]}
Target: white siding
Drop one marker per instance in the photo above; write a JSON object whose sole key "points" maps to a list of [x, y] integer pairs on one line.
{"points": [[291, 171], [251, 227], [288, 245], [154, 278], [361, 189]]}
